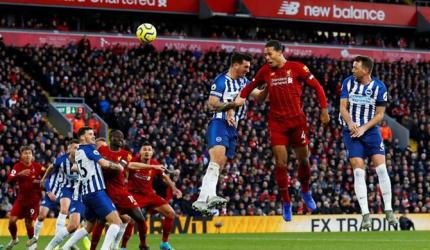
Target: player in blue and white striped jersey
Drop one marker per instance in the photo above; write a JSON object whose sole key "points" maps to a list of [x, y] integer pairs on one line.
{"points": [[97, 203], [54, 180], [362, 107], [221, 134]]}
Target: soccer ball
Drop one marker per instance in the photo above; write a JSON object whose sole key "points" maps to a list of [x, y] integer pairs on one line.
{"points": [[146, 33]]}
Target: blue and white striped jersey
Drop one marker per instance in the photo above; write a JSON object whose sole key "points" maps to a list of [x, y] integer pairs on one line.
{"points": [[363, 99], [226, 89], [55, 181], [91, 175]]}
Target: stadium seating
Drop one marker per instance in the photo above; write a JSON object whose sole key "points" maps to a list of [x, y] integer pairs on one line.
{"points": [[161, 96]]}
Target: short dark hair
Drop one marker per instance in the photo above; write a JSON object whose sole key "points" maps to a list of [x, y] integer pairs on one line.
{"points": [[277, 45], [83, 130], [115, 131], [239, 58], [25, 148], [366, 62], [146, 143], [74, 141]]}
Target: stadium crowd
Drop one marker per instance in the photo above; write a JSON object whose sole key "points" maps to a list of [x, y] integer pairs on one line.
{"points": [[161, 97], [217, 28]]}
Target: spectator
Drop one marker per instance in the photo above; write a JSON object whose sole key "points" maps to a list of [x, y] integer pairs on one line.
{"points": [[386, 132]]}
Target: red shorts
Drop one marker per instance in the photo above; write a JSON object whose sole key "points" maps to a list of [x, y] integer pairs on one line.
{"points": [[124, 201], [292, 131], [149, 200], [25, 211]]}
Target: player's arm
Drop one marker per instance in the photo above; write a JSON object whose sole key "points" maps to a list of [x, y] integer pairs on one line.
{"points": [[141, 165], [260, 94], [16, 173], [110, 165], [248, 89], [216, 105], [346, 116], [48, 171], [311, 81], [172, 185]]}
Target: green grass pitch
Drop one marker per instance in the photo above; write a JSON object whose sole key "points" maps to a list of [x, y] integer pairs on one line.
{"points": [[281, 241]]}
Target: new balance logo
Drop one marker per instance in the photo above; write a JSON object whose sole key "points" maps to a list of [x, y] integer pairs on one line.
{"points": [[289, 8]]}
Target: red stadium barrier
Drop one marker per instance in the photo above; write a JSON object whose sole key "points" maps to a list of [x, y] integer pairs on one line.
{"points": [[21, 38], [346, 12]]}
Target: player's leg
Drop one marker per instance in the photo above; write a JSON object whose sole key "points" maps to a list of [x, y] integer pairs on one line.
{"points": [[96, 233], [169, 217], [125, 219], [304, 176], [282, 179], [129, 232], [356, 157], [385, 186], [376, 149], [114, 222], [64, 211], [79, 234], [77, 211], [218, 141], [12, 227], [43, 213]]}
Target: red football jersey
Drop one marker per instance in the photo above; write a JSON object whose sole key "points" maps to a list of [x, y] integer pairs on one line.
{"points": [[29, 186], [285, 88], [114, 179], [140, 181]]}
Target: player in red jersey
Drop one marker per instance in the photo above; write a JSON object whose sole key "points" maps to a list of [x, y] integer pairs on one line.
{"points": [[117, 190], [27, 174], [142, 172], [287, 121]]}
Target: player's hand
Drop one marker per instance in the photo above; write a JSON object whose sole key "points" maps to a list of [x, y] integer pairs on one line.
{"points": [[42, 184], [352, 128], [74, 168], [230, 118], [239, 101], [360, 131], [325, 118], [52, 196], [161, 168], [177, 193], [25, 172]]}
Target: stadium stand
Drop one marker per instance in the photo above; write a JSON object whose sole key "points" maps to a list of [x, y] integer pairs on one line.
{"points": [[161, 96]]}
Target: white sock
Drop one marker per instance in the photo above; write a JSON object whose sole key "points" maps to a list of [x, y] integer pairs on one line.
{"points": [[209, 182], [61, 221], [58, 238], [77, 236], [385, 185], [37, 227], [118, 238], [111, 233], [361, 189]]}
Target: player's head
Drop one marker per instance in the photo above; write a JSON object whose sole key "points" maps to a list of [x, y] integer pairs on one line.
{"points": [[273, 53], [26, 154], [73, 146], [116, 138], [362, 66], [240, 63], [146, 152], [86, 135], [100, 142]]}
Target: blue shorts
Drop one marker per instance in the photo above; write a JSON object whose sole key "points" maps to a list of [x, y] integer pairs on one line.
{"points": [[370, 143], [46, 202], [220, 133], [76, 205], [97, 205]]}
